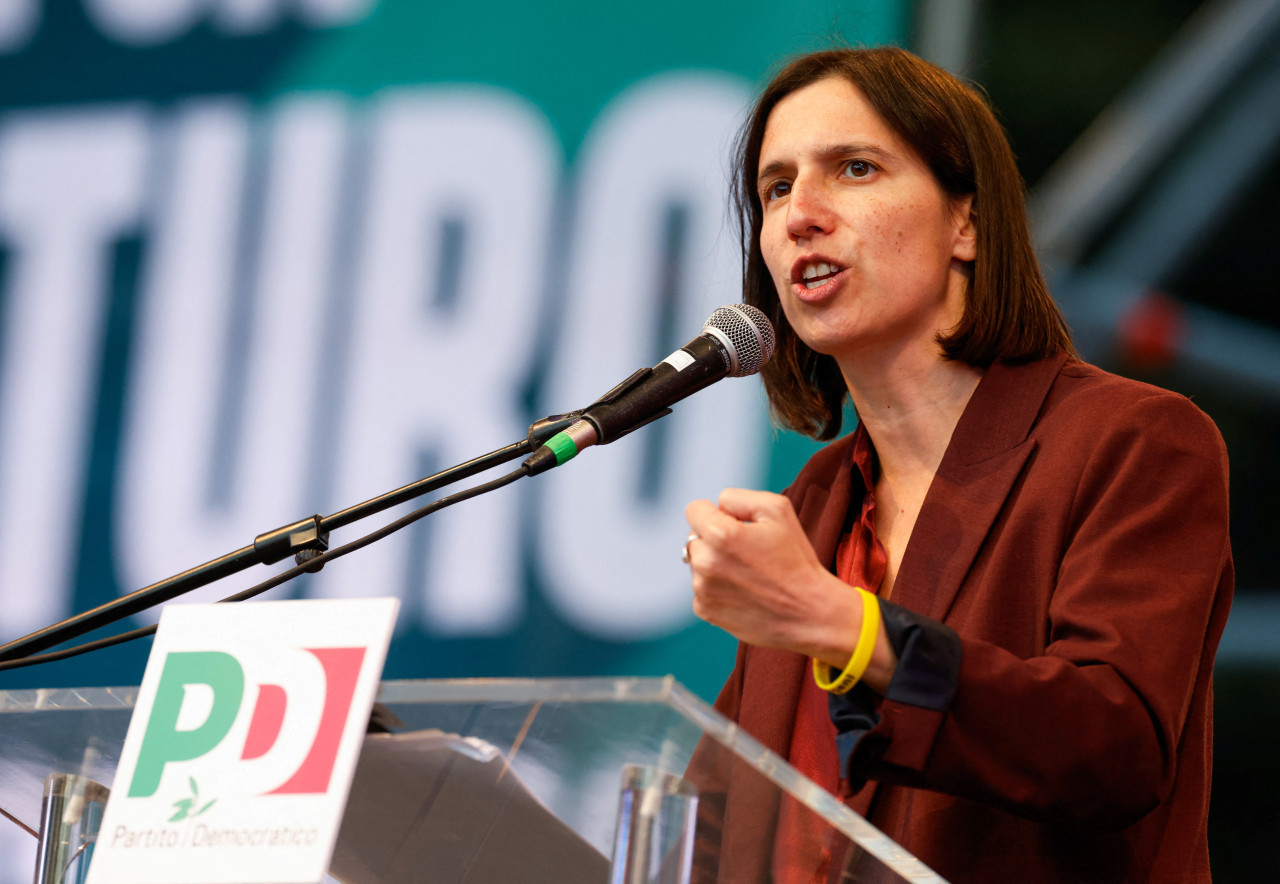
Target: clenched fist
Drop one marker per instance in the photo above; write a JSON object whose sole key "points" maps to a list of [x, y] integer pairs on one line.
{"points": [[756, 576]]}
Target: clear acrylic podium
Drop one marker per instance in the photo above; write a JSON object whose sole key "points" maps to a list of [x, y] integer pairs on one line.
{"points": [[592, 780]]}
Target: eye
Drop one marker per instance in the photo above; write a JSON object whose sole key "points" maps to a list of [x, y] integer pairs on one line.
{"points": [[858, 169], [776, 190]]}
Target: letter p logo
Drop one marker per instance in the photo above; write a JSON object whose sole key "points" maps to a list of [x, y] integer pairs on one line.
{"points": [[163, 742]]}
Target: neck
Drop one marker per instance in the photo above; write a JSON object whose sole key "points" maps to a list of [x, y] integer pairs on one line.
{"points": [[910, 405]]}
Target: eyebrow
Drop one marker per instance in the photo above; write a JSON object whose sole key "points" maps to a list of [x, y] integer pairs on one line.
{"points": [[825, 154]]}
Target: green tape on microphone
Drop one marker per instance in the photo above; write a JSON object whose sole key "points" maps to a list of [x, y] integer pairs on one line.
{"points": [[563, 446]]}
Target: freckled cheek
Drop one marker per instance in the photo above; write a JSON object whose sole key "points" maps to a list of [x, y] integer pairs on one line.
{"points": [[894, 230], [898, 238], [877, 227]]}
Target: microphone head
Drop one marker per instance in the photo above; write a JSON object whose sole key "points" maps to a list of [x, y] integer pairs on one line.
{"points": [[747, 334]]}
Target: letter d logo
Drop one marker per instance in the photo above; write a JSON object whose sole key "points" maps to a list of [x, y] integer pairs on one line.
{"points": [[163, 742]]}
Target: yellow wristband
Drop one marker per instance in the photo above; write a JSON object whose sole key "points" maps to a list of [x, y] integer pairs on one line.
{"points": [[861, 656]]}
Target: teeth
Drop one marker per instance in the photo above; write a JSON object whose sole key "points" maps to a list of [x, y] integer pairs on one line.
{"points": [[814, 271]]}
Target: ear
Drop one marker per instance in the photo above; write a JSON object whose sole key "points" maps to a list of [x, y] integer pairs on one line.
{"points": [[965, 246]]}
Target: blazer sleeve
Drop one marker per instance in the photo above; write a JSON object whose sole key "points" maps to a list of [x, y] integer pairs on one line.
{"points": [[1087, 731]]}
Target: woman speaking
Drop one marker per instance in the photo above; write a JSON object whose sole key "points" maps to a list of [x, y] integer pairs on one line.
{"points": [[987, 616]]}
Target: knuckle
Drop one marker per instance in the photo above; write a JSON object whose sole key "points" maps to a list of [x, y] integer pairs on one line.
{"points": [[779, 505], [731, 535]]}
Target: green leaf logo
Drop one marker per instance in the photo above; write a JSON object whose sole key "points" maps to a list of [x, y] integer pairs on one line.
{"points": [[182, 807]]}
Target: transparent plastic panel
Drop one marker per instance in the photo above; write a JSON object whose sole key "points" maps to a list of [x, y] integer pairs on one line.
{"points": [[78, 732], [499, 780]]}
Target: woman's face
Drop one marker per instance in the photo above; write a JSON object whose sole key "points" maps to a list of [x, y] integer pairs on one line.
{"points": [[866, 251]]}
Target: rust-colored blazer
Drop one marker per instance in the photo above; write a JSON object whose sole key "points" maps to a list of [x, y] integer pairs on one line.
{"points": [[1075, 539]]}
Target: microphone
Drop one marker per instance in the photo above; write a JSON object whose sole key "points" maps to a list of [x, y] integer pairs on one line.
{"points": [[736, 341]]}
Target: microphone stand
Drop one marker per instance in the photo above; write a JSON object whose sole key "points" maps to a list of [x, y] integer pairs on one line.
{"points": [[304, 540]]}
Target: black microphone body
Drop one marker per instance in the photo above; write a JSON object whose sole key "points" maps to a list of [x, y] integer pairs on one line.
{"points": [[649, 393], [736, 341]]}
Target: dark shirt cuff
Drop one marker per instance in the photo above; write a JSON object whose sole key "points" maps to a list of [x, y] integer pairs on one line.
{"points": [[928, 669]]}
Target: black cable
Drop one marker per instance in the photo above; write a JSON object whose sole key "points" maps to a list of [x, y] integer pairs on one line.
{"points": [[283, 576]]}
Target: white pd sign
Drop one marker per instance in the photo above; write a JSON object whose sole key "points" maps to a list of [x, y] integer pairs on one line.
{"points": [[243, 743]]}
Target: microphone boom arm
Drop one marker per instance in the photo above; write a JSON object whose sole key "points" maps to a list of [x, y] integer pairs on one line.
{"points": [[303, 539]]}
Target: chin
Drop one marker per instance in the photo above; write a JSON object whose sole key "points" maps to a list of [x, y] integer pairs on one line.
{"points": [[826, 345]]}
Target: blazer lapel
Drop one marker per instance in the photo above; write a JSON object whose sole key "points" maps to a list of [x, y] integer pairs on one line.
{"points": [[823, 508], [988, 451]]}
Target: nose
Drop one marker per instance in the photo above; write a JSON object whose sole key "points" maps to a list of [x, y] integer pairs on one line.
{"points": [[809, 210]]}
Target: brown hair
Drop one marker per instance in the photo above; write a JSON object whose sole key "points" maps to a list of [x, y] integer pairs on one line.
{"points": [[1008, 314]]}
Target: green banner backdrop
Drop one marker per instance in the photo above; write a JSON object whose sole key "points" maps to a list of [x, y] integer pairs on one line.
{"points": [[264, 258]]}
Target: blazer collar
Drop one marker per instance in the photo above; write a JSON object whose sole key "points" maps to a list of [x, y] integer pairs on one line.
{"points": [[1001, 411], [988, 449]]}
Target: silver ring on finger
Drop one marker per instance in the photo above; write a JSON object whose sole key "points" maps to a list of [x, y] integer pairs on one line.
{"points": [[684, 556]]}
